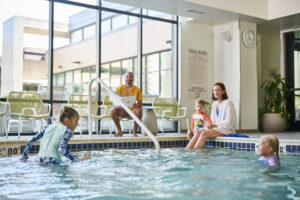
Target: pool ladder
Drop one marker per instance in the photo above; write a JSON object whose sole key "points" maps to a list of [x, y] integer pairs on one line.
{"points": [[113, 97]]}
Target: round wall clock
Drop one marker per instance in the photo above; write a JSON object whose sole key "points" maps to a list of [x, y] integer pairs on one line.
{"points": [[249, 37]]}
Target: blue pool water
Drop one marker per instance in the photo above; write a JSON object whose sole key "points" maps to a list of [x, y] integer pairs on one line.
{"points": [[212, 173]]}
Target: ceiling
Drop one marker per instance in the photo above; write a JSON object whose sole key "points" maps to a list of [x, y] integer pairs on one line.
{"points": [[208, 15]]}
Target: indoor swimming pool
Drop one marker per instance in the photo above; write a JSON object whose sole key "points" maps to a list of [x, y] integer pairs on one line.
{"points": [[212, 173]]}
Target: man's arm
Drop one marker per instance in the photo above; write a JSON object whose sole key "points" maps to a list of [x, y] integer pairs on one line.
{"points": [[139, 99]]}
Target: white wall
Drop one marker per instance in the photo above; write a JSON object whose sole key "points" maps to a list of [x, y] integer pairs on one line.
{"points": [[37, 9], [270, 50], [269, 46], [11, 75], [256, 8], [12, 58], [280, 8], [236, 67], [264, 9], [248, 82], [227, 63], [194, 36]]}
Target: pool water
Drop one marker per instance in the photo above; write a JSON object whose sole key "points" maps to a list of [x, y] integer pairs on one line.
{"points": [[212, 173]]}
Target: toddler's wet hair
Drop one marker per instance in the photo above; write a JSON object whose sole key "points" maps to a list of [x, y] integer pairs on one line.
{"points": [[67, 112]]}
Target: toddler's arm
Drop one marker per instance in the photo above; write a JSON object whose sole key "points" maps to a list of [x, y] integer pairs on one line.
{"points": [[190, 134], [31, 142], [63, 150]]}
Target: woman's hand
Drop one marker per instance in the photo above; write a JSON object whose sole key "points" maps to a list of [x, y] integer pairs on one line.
{"points": [[210, 126], [85, 158]]}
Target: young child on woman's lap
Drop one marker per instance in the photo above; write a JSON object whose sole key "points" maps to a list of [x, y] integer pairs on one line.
{"points": [[199, 119], [269, 150]]}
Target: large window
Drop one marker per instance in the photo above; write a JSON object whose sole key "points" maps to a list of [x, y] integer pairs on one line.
{"points": [[119, 49], [119, 21], [91, 2], [76, 36], [23, 46], [118, 7], [73, 59], [105, 73], [154, 13], [151, 75], [158, 65], [89, 31], [26, 60]]}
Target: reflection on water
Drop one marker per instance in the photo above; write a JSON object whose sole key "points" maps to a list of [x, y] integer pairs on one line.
{"points": [[211, 173]]}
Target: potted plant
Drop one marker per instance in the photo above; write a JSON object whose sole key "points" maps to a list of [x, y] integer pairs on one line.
{"points": [[275, 113]]}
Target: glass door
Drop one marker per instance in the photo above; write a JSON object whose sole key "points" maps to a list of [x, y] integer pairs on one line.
{"points": [[292, 53], [297, 79]]}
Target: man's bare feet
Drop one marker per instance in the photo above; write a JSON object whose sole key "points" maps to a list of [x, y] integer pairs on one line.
{"points": [[134, 134], [119, 134]]}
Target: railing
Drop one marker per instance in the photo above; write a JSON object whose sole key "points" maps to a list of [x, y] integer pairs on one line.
{"points": [[114, 98]]}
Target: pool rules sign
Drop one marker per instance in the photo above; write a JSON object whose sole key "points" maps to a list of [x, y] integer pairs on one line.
{"points": [[198, 74]]}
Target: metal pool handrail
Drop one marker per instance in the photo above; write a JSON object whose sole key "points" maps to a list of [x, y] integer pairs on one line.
{"points": [[114, 98]]}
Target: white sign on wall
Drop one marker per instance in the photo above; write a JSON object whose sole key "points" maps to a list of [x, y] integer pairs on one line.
{"points": [[198, 74]]}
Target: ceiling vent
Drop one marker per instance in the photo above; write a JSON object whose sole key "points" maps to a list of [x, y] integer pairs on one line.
{"points": [[190, 10]]}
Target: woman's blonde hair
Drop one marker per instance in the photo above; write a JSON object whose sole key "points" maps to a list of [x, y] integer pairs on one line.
{"points": [[271, 141]]}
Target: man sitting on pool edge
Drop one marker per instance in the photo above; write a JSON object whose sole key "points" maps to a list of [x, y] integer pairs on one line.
{"points": [[128, 89]]}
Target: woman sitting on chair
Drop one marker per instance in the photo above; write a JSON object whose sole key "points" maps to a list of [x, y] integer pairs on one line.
{"points": [[222, 117]]}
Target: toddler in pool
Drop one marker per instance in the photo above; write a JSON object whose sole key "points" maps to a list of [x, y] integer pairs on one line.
{"points": [[54, 139], [269, 150]]}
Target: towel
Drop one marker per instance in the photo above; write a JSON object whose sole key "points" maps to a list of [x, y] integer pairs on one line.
{"points": [[236, 135]]}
